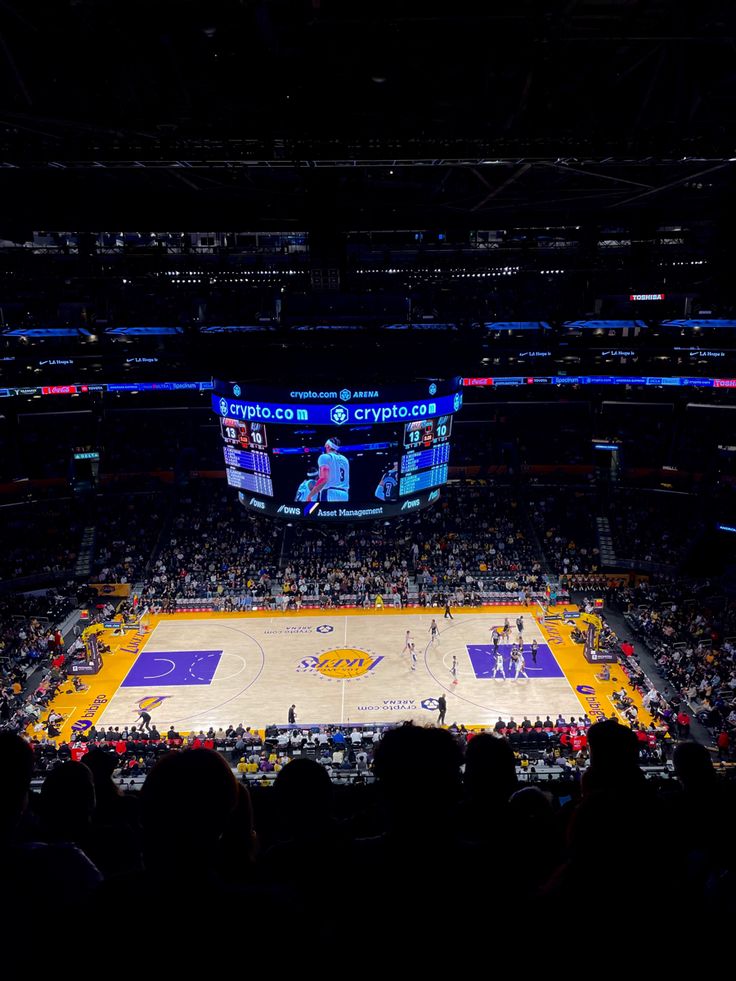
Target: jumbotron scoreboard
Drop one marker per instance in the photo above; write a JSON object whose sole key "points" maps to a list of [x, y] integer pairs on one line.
{"points": [[347, 453]]}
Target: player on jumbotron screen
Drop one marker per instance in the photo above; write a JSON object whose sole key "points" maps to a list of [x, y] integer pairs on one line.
{"points": [[333, 483], [388, 488], [306, 486]]}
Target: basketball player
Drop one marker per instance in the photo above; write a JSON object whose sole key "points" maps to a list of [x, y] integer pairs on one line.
{"points": [[495, 639], [506, 632], [498, 664], [517, 659], [333, 483], [520, 629], [306, 486], [453, 669], [413, 654], [408, 640], [534, 650], [388, 486], [434, 632]]}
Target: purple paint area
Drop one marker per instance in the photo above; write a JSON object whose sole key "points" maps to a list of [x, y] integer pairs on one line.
{"points": [[164, 668], [483, 659]]}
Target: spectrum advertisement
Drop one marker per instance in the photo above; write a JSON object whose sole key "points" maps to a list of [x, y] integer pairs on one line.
{"points": [[342, 458]]}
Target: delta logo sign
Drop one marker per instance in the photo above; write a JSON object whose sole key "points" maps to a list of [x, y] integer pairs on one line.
{"points": [[340, 664]]}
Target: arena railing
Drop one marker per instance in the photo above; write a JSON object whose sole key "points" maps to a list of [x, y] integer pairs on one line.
{"points": [[202, 604], [530, 774]]}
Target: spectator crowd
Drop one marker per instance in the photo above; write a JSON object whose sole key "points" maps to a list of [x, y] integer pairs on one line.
{"points": [[437, 801]]}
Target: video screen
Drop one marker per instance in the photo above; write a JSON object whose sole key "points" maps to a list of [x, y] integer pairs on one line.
{"points": [[342, 467]]}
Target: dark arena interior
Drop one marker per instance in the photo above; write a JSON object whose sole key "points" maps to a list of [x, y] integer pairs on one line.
{"points": [[371, 550]]}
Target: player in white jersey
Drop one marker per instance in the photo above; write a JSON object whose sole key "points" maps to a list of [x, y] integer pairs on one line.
{"points": [[434, 632], [498, 665], [518, 663], [413, 653], [302, 491], [408, 641], [333, 483]]}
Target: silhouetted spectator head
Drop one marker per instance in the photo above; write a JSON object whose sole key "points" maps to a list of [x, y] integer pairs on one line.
{"points": [[16, 766], [614, 759], [490, 767], [532, 817], [419, 771], [67, 802], [612, 744], [303, 794], [236, 849], [693, 766], [188, 798], [530, 804], [102, 765]]}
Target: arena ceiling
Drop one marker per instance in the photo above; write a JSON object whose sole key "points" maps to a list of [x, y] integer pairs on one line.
{"points": [[277, 114]]}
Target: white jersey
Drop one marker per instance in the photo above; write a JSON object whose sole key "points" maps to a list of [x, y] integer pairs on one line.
{"points": [[303, 489], [338, 477]]}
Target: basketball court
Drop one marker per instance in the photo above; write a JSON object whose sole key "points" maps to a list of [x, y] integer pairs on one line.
{"points": [[194, 671]]}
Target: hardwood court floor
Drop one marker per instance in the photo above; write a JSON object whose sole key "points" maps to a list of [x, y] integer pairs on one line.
{"points": [[200, 670]]}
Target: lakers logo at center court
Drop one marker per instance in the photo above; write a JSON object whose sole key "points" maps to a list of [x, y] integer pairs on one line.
{"points": [[151, 702], [340, 663]]}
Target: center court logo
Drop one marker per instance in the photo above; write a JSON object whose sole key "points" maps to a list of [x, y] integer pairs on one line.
{"points": [[151, 702], [339, 414], [340, 664]]}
